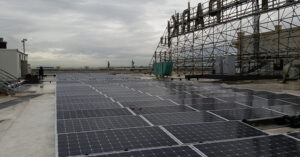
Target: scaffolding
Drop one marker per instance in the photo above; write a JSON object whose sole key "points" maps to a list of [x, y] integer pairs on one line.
{"points": [[263, 35]]}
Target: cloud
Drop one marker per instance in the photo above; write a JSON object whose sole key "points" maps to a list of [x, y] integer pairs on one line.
{"points": [[86, 32]]}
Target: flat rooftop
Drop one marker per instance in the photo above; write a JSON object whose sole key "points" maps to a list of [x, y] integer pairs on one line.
{"points": [[94, 114]]}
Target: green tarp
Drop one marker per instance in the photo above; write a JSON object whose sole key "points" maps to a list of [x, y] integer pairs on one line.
{"points": [[163, 68]]}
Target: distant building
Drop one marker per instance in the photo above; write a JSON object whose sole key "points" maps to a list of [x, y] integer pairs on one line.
{"points": [[13, 61], [276, 49]]}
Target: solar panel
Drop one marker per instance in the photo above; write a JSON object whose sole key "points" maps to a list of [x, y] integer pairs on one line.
{"points": [[133, 103], [255, 101], [87, 106], [181, 118], [111, 140], [82, 101], [251, 113], [274, 96], [162, 109], [183, 151], [81, 97], [189, 101], [213, 95], [92, 124], [295, 134], [130, 99], [190, 133], [92, 113], [292, 110], [218, 106], [271, 146], [293, 100], [77, 93], [182, 96]]}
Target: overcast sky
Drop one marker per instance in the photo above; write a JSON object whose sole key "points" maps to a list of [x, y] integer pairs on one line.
{"points": [[77, 33]]}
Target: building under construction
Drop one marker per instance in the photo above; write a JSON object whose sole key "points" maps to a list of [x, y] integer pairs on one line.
{"points": [[232, 37]]}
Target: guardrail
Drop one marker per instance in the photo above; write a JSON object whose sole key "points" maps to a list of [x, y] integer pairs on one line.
{"points": [[8, 82]]}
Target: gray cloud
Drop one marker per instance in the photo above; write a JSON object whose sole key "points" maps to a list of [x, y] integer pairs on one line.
{"points": [[60, 32]]}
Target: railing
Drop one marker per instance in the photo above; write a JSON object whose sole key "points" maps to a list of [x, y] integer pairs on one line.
{"points": [[8, 74], [8, 82]]}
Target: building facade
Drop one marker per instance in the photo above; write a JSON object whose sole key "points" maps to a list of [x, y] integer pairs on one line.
{"points": [[13, 61]]}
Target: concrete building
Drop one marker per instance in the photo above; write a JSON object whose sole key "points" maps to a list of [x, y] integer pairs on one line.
{"points": [[224, 65], [13, 61], [276, 48]]}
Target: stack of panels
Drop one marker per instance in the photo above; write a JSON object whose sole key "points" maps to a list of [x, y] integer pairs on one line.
{"points": [[109, 115]]}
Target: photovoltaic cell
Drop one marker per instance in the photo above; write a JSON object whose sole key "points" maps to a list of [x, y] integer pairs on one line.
{"points": [[92, 113], [111, 140], [252, 113], [190, 133], [92, 124], [181, 118], [183, 151], [271, 146]]}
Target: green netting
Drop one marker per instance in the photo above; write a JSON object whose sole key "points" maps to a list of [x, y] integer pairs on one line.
{"points": [[163, 68]]}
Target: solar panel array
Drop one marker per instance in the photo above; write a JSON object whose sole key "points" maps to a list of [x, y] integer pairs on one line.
{"points": [[110, 115]]}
